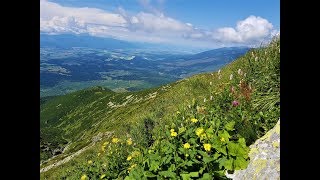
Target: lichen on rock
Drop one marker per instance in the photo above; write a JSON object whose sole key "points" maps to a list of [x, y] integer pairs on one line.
{"points": [[264, 158]]}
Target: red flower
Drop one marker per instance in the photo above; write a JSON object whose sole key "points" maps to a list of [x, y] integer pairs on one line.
{"points": [[235, 103]]}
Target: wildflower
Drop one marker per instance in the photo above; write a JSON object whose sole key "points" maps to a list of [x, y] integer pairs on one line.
{"points": [[99, 154], [104, 165], [204, 100], [171, 130], [222, 139], [245, 75], [129, 141], [186, 146], [231, 76], [252, 54], [115, 140], [187, 155], [265, 52], [219, 77], [129, 158], [174, 134], [102, 176], [211, 98], [235, 103], [256, 59], [178, 112], [90, 162], [105, 143], [132, 166], [219, 71], [199, 131], [239, 71], [203, 136], [210, 83], [194, 120], [207, 147], [84, 177]]}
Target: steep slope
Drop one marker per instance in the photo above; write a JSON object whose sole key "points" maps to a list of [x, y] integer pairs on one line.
{"points": [[87, 118]]}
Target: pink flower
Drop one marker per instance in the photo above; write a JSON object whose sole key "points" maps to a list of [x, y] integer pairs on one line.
{"points": [[235, 103]]}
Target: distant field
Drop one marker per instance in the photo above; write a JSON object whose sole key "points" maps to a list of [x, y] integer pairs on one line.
{"points": [[67, 70]]}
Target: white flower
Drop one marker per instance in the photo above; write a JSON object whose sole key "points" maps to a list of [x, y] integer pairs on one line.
{"points": [[219, 72], [210, 83], [219, 77], [252, 54], [265, 52], [239, 71], [256, 59], [231, 76], [189, 106], [245, 75], [211, 98], [204, 100], [279, 50]]}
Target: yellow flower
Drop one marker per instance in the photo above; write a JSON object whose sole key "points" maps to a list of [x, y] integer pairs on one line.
{"points": [[207, 147], [90, 162], [187, 155], [115, 140], [222, 139], [102, 176], [171, 130], [132, 166], [194, 120], [186, 146], [202, 136], [199, 131], [129, 141], [84, 177], [174, 134], [99, 154], [105, 143], [129, 158], [178, 112]]}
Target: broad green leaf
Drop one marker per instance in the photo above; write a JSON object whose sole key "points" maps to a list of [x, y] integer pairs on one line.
{"points": [[181, 130], [194, 174], [206, 176], [185, 176], [207, 159], [242, 142], [189, 163], [227, 163], [235, 149], [240, 163], [230, 126], [149, 174]]}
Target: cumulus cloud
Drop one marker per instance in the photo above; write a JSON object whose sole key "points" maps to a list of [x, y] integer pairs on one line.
{"points": [[250, 30], [152, 26]]}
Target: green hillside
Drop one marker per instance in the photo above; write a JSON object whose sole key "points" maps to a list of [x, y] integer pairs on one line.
{"points": [[236, 108]]}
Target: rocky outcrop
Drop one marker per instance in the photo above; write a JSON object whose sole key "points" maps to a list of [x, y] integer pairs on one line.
{"points": [[264, 158]]}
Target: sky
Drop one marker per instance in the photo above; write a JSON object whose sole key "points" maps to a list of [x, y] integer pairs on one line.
{"points": [[202, 23]]}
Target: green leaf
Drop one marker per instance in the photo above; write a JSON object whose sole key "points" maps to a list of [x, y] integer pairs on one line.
{"points": [[240, 163], [154, 165], [181, 130], [149, 174], [207, 159], [227, 163], [235, 149], [189, 163], [167, 174], [230, 126], [194, 174], [185, 176], [206, 176], [242, 142]]}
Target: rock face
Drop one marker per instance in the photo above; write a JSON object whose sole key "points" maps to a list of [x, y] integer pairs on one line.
{"points": [[264, 158]]}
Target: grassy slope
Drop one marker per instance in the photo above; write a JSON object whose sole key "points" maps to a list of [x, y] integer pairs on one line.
{"points": [[83, 114]]}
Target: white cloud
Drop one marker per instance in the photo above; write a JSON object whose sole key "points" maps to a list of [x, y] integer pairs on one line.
{"points": [[250, 30], [147, 27]]}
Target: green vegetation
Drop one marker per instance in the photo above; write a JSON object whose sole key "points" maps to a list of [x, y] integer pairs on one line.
{"points": [[198, 127]]}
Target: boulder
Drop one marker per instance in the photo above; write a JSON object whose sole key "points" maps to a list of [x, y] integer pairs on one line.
{"points": [[264, 158]]}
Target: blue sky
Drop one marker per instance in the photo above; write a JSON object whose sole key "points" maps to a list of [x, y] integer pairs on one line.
{"points": [[205, 23]]}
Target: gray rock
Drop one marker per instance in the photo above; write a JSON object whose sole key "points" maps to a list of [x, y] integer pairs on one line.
{"points": [[264, 158]]}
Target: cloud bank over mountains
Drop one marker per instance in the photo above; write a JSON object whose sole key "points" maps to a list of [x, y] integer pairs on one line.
{"points": [[152, 26]]}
